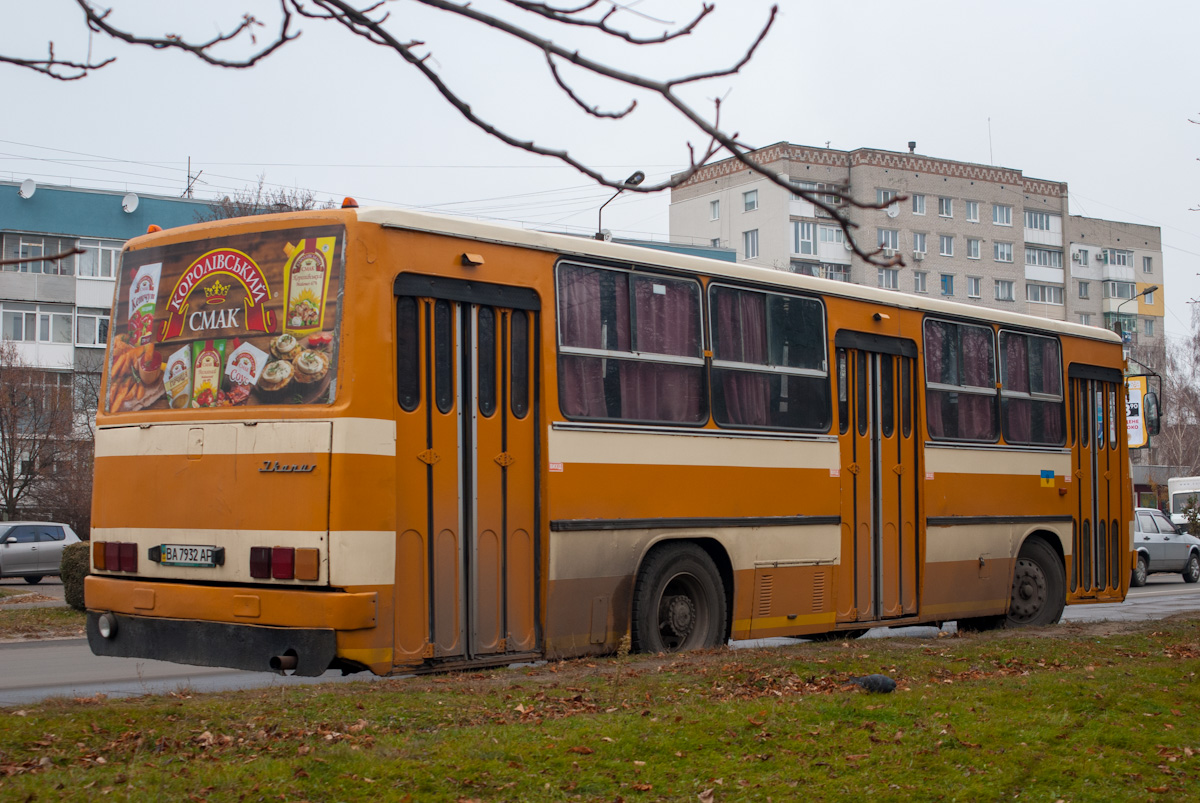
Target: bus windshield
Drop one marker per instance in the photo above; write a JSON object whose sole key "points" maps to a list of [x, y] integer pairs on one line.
{"points": [[244, 320]]}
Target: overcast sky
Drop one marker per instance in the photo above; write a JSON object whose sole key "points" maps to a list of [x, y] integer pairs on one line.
{"points": [[1090, 93]]}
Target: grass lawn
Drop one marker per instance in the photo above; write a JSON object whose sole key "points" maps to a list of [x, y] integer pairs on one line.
{"points": [[1075, 713]]}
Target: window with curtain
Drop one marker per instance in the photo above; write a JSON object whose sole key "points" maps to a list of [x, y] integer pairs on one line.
{"points": [[630, 346], [960, 381], [769, 366], [1031, 397]]}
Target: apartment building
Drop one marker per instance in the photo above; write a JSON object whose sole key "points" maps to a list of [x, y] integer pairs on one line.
{"points": [[978, 234]]}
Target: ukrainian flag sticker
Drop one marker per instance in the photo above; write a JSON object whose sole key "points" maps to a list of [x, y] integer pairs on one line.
{"points": [[1047, 479]]}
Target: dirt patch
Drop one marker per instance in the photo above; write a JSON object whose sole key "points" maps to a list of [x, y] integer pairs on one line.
{"points": [[20, 599]]}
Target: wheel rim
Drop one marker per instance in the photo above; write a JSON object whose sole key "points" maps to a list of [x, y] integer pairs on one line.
{"points": [[1193, 568], [682, 617], [1029, 591], [1141, 570]]}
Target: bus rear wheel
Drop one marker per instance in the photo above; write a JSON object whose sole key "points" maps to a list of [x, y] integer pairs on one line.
{"points": [[678, 601], [1038, 589]]}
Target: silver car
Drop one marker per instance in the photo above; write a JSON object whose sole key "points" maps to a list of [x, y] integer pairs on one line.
{"points": [[1162, 548], [33, 549]]}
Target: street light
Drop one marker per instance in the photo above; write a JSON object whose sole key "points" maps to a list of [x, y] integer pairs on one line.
{"points": [[634, 180], [1117, 323]]}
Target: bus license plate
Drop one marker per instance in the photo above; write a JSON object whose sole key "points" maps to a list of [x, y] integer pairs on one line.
{"points": [[188, 555]]}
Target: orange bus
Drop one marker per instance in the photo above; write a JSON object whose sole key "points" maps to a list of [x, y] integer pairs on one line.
{"points": [[375, 439]]}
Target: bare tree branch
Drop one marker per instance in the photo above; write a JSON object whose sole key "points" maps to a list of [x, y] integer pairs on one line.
{"points": [[52, 258], [367, 20], [60, 69]]}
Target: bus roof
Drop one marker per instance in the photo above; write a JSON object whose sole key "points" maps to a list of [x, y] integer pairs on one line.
{"points": [[588, 247]]}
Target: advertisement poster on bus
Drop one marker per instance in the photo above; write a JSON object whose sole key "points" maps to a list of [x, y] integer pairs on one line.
{"points": [[243, 320], [1135, 415]]}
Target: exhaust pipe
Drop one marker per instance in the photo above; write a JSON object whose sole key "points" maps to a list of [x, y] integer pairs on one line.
{"points": [[283, 663]]}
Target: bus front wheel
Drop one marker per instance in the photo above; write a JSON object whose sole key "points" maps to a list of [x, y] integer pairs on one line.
{"points": [[1038, 589], [678, 601]]}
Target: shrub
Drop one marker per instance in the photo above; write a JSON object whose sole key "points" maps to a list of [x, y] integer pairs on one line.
{"points": [[76, 565]]}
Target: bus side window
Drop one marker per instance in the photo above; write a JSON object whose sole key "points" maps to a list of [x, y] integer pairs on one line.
{"points": [[443, 344], [408, 362], [520, 363], [887, 396], [487, 361]]}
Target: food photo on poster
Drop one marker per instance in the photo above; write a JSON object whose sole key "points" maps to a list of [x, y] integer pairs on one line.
{"points": [[245, 320]]}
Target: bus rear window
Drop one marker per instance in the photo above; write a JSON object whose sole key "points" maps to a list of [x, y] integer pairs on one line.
{"points": [[237, 321]]}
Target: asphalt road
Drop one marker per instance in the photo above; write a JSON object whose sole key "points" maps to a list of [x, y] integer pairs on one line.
{"points": [[37, 670]]}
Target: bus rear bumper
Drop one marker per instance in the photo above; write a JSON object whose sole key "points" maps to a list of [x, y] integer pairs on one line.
{"points": [[308, 652]]}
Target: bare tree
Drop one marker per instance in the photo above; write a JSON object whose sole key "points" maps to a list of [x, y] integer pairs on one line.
{"points": [[261, 199], [608, 20], [36, 429], [1178, 444]]}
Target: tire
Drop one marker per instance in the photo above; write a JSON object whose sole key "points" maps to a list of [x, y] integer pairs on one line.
{"points": [[1038, 589], [981, 624], [1191, 572], [678, 601], [33, 579], [1138, 578]]}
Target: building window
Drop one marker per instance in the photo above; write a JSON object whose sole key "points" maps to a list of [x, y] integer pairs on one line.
{"points": [[947, 284], [884, 197], [1085, 319], [972, 211], [18, 322], [1083, 289], [920, 279], [1001, 215], [1002, 252], [99, 258], [715, 242], [1004, 290], [34, 249], [750, 200], [889, 238], [1147, 264], [54, 324], [804, 238], [1114, 256], [973, 286], [750, 243], [1083, 257], [1037, 220], [888, 278], [945, 207], [1044, 294], [918, 204], [1149, 327], [91, 327], [1043, 257], [972, 248], [714, 210], [830, 234], [918, 242], [1118, 289], [839, 273], [1149, 297], [946, 245]]}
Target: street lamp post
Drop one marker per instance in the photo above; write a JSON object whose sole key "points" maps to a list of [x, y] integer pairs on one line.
{"points": [[1117, 327], [634, 180]]}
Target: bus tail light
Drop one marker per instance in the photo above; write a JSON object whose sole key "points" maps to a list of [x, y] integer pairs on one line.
{"points": [[283, 563], [260, 562], [115, 556], [308, 564]]}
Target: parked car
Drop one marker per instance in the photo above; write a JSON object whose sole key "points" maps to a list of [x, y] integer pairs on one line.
{"points": [[33, 549], [1162, 548]]}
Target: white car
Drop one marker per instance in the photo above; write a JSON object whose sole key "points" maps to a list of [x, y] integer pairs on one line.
{"points": [[1162, 548], [33, 549]]}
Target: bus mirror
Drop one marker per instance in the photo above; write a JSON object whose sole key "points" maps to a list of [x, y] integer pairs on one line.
{"points": [[1151, 411]]}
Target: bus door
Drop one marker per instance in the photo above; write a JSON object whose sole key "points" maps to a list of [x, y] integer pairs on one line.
{"points": [[467, 563], [1100, 550], [880, 460]]}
